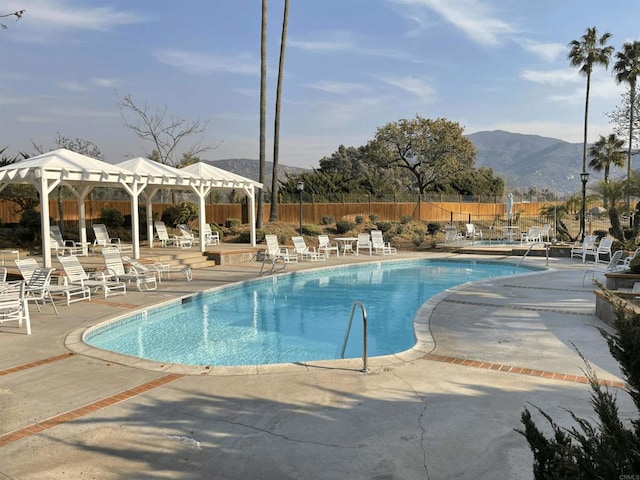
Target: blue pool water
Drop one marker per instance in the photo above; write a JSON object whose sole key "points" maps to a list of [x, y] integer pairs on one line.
{"points": [[291, 318]]}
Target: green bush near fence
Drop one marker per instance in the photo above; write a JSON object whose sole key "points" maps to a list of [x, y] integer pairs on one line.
{"points": [[232, 222], [343, 226], [111, 217], [311, 230]]}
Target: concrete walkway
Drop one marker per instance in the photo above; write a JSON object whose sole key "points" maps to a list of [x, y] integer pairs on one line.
{"points": [[445, 410]]}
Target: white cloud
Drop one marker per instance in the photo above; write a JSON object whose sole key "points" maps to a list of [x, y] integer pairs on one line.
{"points": [[473, 17], [65, 15], [105, 82], [202, 63], [552, 77], [413, 85], [72, 86], [339, 88], [547, 51]]}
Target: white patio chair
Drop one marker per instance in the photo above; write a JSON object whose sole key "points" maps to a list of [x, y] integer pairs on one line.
{"points": [[210, 237], [379, 245], [37, 289], [72, 293], [158, 268], [276, 252], [581, 249], [117, 272], [451, 234], [77, 276], [545, 231], [613, 266], [602, 249], [301, 248], [104, 240], [531, 236], [186, 238], [13, 304], [363, 243], [472, 232], [61, 246], [325, 246], [163, 235]]}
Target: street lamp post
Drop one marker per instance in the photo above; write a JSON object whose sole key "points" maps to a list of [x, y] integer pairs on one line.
{"points": [[300, 189], [584, 177]]}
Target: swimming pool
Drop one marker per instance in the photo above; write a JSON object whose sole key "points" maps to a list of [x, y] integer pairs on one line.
{"points": [[294, 317]]}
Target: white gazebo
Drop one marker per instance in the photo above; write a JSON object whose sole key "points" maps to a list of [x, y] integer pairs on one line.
{"points": [[81, 174], [219, 178]]}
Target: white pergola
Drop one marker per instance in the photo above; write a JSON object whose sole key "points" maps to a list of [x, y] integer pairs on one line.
{"points": [[81, 174], [161, 176], [219, 178]]}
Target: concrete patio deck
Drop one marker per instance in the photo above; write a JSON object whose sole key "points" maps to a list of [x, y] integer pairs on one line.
{"points": [[445, 411]]}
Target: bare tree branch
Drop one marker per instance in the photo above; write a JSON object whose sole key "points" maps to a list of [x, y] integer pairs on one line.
{"points": [[166, 132], [18, 14]]}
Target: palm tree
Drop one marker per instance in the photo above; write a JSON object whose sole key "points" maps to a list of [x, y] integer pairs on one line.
{"points": [[626, 70], [607, 151], [273, 214], [263, 110], [586, 53]]}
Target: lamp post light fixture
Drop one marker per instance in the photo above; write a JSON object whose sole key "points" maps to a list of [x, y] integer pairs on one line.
{"points": [[300, 189], [584, 178]]}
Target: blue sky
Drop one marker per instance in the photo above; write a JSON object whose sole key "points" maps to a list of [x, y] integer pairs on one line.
{"points": [[351, 66]]}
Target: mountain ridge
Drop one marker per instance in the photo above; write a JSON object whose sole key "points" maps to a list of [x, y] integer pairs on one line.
{"points": [[523, 160]]}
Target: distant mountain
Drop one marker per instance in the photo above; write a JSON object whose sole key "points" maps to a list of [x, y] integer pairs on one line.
{"points": [[531, 160], [251, 169], [522, 160]]}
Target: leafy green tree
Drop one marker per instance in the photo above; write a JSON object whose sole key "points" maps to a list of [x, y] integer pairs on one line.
{"points": [[607, 151], [607, 448], [433, 151], [626, 70], [612, 194]]}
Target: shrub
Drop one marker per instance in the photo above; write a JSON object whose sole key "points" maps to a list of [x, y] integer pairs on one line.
{"points": [[232, 222], [245, 237], [417, 240], [384, 226], [327, 220], [343, 226], [111, 217], [433, 228], [359, 219], [405, 219], [311, 230], [30, 221], [373, 218], [634, 265]]}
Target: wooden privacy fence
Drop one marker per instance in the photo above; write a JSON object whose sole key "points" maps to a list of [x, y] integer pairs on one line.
{"points": [[312, 213]]}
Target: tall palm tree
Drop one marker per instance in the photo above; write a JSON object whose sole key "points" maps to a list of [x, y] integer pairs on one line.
{"points": [[626, 70], [586, 53], [273, 214], [604, 153], [263, 110]]}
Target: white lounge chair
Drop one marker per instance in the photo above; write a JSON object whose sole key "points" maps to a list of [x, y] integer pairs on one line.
{"points": [[104, 240], [210, 237], [72, 293], [379, 245], [581, 249], [602, 249], [13, 304], [117, 272], [531, 236], [363, 243], [76, 275], [163, 235], [186, 238], [472, 232], [613, 266], [325, 246], [301, 248], [276, 252], [158, 268], [37, 289], [61, 246], [545, 231], [451, 234]]}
